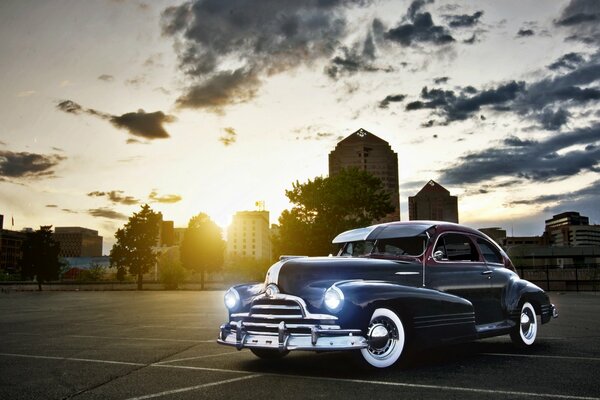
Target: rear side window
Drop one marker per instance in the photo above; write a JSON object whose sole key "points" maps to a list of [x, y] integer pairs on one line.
{"points": [[489, 252], [457, 247]]}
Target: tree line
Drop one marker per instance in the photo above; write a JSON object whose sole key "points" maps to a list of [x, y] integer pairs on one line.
{"points": [[321, 208]]}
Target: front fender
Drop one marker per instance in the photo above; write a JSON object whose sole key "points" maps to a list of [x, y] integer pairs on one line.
{"points": [[520, 291], [428, 316]]}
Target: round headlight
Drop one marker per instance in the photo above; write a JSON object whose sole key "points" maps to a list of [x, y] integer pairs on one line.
{"points": [[333, 299], [232, 299]]}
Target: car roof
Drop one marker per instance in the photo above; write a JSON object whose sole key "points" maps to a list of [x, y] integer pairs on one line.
{"points": [[400, 229]]}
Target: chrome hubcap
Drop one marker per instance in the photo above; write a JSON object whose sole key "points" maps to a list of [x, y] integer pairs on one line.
{"points": [[382, 337], [527, 324]]}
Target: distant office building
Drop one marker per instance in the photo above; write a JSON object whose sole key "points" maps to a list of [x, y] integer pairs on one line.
{"points": [[11, 252], [249, 235], [178, 235], [433, 202], [365, 151], [571, 229], [512, 241], [496, 233], [78, 242], [167, 234]]}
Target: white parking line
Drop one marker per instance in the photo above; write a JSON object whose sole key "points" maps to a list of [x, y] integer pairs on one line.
{"points": [[199, 357], [541, 356], [70, 359], [188, 389], [316, 378], [137, 338]]}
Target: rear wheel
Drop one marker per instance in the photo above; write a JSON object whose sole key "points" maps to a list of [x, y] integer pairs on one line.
{"points": [[269, 354], [385, 335], [524, 334]]}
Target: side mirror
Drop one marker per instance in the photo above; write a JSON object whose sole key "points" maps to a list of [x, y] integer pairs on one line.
{"points": [[438, 255]]}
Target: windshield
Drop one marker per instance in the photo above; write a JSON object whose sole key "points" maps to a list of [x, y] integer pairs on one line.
{"points": [[394, 247]]}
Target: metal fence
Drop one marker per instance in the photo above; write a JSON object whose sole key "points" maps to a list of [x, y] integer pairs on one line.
{"points": [[568, 278]]}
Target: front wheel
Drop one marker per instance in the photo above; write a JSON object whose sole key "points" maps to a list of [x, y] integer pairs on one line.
{"points": [[385, 335], [524, 334], [269, 354]]}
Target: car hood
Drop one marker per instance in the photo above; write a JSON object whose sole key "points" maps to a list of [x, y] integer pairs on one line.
{"points": [[310, 277]]}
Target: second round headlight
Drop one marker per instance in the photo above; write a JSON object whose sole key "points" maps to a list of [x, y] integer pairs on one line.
{"points": [[333, 299], [232, 299]]}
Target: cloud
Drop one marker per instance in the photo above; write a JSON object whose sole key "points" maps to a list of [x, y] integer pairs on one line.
{"points": [[551, 159], [463, 20], [139, 123], [525, 32], [592, 190], [582, 19], [264, 38], [166, 199], [143, 124], [229, 138], [51, 206], [26, 93], [568, 61], [441, 80], [419, 27], [392, 98], [24, 165], [104, 212], [116, 196], [106, 78]]}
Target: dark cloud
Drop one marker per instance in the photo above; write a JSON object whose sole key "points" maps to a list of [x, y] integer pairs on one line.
{"points": [[582, 19], [525, 32], [104, 212], [471, 40], [24, 165], [419, 27], [455, 107], [392, 98], [140, 123], [229, 138], [166, 199], [531, 160], [553, 120], [441, 80], [51, 206], [143, 124], [268, 37], [106, 78], [116, 196], [569, 61], [463, 20], [592, 190]]}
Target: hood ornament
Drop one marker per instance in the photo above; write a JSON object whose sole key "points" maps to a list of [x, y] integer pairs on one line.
{"points": [[272, 290]]}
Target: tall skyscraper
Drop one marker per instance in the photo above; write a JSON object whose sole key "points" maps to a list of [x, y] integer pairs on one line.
{"points": [[249, 235], [78, 242], [433, 202], [365, 151]]}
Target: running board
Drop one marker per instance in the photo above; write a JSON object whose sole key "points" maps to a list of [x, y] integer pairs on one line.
{"points": [[495, 328]]}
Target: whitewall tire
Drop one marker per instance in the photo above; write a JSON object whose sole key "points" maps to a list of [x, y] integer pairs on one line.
{"points": [[386, 339], [525, 333]]}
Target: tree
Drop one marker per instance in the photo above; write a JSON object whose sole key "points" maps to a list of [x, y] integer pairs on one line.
{"points": [[134, 249], [202, 248], [40, 256], [325, 207], [171, 270], [239, 269]]}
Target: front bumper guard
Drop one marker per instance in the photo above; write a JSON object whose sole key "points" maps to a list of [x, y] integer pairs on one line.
{"points": [[318, 340]]}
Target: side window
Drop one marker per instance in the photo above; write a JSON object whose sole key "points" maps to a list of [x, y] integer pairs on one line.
{"points": [[457, 247], [489, 252]]}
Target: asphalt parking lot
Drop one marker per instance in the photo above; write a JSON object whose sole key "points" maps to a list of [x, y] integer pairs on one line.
{"points": [[139, 345]]}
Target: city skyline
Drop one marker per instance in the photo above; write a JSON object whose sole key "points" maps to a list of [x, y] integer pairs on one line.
{"points": [[110, 104]]}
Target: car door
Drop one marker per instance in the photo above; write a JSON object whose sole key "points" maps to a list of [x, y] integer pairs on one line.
{"points": [[462, 272], [499, 278]]}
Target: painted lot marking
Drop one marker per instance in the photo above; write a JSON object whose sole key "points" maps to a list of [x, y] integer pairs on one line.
{"points": [[190, 388], [199, 357], [251, 374]]}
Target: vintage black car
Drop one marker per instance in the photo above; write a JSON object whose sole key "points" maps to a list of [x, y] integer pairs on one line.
{"points": [[418, 283]]}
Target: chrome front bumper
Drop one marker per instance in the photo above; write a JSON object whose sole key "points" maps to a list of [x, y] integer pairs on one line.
{"points": [[318, 340], [554, 311]]}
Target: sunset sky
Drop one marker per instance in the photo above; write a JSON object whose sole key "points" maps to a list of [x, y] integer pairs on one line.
{"points": [[209, 106]]}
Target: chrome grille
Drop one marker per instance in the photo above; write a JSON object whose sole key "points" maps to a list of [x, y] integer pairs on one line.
{"points": [[266, 314]]}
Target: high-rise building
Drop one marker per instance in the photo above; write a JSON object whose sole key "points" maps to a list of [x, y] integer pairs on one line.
{"points": [[571, 229], [78, 242], [365, 151], [249, 235], [433, 202]]}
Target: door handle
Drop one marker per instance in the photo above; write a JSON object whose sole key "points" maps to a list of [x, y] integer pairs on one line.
{"points": [[486, 273]]}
